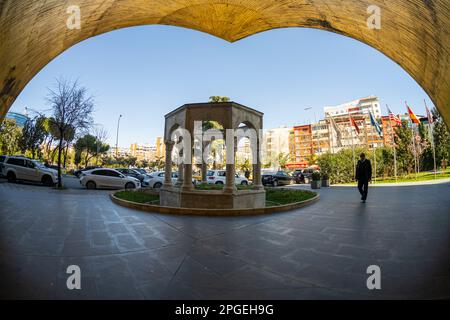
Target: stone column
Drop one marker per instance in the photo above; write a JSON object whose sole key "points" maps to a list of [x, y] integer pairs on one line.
{"points": [[187, 179], [180, 175], [257, 182], [204, 166], [168, 172], [231, 168]]}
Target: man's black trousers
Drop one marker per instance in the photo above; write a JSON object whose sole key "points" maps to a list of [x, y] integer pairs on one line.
{"points": [[363, 187]]}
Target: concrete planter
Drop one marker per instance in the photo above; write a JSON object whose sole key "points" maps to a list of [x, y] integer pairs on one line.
{"points": [[325, 183], [315, 184]]}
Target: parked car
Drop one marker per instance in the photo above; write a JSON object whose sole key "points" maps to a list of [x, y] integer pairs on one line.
{"points": [[25, 169], [307, 175], [298, 176], [107, 179], [2, 159], [157, 179], [276, 178], [220, 177], [143, 178], [78, 173]]}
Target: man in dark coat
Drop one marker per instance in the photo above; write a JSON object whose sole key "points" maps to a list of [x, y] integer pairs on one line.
{"points": [[363, 176]]}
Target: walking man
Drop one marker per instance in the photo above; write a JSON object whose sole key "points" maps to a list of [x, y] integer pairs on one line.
{"points": [[363, 176]]}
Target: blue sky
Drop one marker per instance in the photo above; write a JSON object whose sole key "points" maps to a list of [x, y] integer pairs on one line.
{"points": [[145, 72]]}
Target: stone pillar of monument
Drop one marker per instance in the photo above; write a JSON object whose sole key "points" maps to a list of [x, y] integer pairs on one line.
{"points": [[257, 181], [187, 168], [231, 146], [168, 172]]}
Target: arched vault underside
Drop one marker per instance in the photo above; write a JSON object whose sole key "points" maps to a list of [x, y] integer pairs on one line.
{"points": [[414, 33]]}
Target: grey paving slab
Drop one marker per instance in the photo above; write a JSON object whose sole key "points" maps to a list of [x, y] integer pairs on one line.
{"points": [[317, 252]]}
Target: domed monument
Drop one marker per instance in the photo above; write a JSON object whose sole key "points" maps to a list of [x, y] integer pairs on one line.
{"points": [[186, 138]]}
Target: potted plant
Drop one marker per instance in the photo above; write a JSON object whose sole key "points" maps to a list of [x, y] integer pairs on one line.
{"points": [[315, 183], [325, 180]]}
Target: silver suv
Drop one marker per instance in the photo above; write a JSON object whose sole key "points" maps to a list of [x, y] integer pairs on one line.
{"points": [[21, 168]]}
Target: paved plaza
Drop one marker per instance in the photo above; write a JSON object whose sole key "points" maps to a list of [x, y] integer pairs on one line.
{"points": [[318, 252]]}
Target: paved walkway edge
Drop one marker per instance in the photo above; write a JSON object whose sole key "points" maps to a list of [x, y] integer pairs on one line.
{"points": [[211, 212]]}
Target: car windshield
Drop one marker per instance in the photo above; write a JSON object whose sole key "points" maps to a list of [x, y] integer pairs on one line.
{"points": [[269, 173], [210, 173]]}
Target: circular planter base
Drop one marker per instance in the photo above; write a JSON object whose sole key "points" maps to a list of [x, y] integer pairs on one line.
{"points": [[211, 212]]}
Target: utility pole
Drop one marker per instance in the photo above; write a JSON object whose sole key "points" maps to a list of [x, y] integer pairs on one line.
{"points": [[117, 137]]}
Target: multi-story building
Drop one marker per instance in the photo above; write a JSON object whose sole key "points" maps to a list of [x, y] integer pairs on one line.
{"points": [[143, 152], [303, 147], [309, 139], [343, 133], [18, 118], [120, 152], [356, 107], [276, 142], [160, 148]]}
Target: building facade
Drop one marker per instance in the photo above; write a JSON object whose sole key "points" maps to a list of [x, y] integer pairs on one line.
{"points": [[19, 118]]}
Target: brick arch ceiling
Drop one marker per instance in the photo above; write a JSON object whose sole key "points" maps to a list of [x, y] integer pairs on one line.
{"points": [[414, 33]]}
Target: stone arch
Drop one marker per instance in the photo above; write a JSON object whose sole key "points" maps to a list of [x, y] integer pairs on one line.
{"points": [[414, 33]]}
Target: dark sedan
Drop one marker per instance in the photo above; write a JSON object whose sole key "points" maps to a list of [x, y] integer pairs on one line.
{"points": [[275, 179]]}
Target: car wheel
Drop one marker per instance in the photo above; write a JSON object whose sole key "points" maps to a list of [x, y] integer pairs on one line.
{"points": [[90, 185], [219, 182], [157, 185], [130, 185], [275, 184], [47, 181], [244, 183], [11, 176]]}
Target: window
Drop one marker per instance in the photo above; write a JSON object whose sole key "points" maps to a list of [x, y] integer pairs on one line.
{"points": [[113, 174], [30, 164], [16, 162], [222, 173], [100, 173], [210, 173]]}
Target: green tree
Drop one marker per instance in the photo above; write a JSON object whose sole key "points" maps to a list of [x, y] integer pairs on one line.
{"points": [[405, 149], [10, 136], [33, 135], [441, 138], [88, 147], [283, 159], [219, 99]]}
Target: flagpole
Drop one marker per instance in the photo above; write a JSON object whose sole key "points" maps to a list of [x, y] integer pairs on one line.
{"points": [[353, 145], [374, 152], [353, 142], [413, 139], [430, 132], [393, 144]]}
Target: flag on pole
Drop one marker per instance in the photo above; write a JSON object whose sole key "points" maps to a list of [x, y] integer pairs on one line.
{"points": [[394, 118], [429, 115], [337, 130], [412, 115], [354, 124], [375, 124]]}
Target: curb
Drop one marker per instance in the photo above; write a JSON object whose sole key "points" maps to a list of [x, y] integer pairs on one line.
{"points": [[211, 212]]}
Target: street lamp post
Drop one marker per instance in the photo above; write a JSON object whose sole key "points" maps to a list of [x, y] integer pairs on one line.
{"points": [[117, 137]]}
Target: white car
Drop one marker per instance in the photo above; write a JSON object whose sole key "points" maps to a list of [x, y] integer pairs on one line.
{"points": [[220, 177], [21, 168], [107, 179], [157, 179]]}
